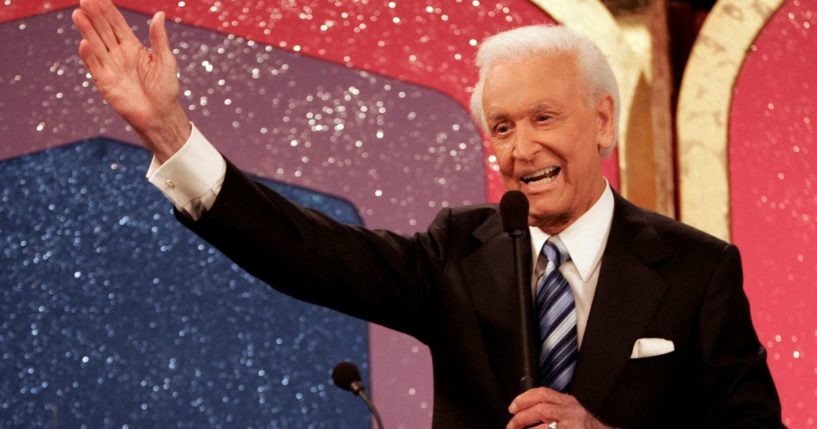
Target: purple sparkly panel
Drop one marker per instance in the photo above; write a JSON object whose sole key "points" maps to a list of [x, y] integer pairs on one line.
{"points": [[397, 151]]}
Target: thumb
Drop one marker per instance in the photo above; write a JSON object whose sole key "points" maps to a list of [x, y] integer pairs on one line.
{"points": [[158, 36]]}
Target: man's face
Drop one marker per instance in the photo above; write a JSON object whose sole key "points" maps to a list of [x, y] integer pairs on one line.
{"points": [[547, 134]]}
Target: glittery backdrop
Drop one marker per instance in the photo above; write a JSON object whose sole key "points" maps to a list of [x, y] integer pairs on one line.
{"points": [[773, 175], [111, 315], [379, 121], [360, 99]]}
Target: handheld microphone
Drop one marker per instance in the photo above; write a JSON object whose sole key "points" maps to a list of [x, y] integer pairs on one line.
{"points": [[346, 376], [513, 208]]}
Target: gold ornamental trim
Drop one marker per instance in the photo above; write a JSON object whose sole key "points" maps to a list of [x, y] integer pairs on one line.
{"points": [[704, 105]]}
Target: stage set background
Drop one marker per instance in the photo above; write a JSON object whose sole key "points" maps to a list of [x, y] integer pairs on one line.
{"points": [[113, 315]]}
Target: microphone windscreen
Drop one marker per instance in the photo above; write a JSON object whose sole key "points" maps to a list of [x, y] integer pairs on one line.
{"points": [[344, 374], [513, 209]]}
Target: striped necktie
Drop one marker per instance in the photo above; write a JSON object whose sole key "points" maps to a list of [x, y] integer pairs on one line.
{"points": [[556, 309]]}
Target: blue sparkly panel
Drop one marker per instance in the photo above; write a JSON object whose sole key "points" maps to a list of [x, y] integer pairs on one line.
{"points": [[113, 315]]}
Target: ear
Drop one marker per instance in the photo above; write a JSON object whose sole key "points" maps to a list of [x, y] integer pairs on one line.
{"points": [[605, 122]]}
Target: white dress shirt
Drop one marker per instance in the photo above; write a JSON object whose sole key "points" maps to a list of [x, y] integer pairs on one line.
{"points": [[192, 178], [585, 240]]}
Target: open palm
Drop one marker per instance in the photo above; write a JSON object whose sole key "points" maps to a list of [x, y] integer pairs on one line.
{"points": [[140, 84]]}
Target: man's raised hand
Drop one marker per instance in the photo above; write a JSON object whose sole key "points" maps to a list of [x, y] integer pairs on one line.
{"points": [[140, 84]]}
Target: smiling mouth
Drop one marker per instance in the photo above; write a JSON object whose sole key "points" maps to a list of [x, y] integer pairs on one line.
{"points": [[545, 175]]}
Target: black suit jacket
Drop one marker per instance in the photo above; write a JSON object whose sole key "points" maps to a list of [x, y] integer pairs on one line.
{"points": [[452, 288]]}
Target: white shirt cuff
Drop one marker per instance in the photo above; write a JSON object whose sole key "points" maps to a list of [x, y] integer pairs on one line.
{"points": [[192, 177]]}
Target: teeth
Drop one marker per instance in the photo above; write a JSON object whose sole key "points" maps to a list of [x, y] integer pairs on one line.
{"points": [[543, 174]]}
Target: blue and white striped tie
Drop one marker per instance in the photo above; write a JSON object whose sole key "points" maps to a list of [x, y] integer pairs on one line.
{"points": [[556, 309]]}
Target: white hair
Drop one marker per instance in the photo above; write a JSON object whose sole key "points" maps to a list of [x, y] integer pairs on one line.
{"points": [[539, 40]]}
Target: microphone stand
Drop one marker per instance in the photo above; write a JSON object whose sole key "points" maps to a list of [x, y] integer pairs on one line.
{"points": [[357, 388]]}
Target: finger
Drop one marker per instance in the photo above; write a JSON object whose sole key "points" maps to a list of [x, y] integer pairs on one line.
{"points": [[537, 425], [89, 34], [521, 425], [89, 58], [536, 416], [118, 24], [100, 22], [159, 43], [535, 396]]}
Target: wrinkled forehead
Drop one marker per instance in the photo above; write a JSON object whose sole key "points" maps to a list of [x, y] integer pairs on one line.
{"points": [[516, 88]]}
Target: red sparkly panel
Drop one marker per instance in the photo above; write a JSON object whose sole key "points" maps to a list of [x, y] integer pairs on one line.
{"points": [[773, 174]]}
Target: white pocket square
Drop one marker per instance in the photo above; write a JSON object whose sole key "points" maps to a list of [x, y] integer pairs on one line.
{"points": [[648, 347]]}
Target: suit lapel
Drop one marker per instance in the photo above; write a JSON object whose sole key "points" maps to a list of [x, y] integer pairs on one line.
{"points": [[626, 297], [490, 279]]}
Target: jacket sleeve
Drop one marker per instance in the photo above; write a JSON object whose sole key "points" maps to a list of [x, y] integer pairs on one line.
{"points": [[736, 386], [378, 276]]}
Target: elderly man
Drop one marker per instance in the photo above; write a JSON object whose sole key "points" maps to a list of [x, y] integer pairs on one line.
{"points": [[642, 321]]}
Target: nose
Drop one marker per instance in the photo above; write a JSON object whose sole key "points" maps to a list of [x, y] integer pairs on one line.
{"points": [[525, 145]]}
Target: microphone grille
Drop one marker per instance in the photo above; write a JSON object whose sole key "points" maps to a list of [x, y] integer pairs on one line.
{"points": [[513, 209], [344, 374]]}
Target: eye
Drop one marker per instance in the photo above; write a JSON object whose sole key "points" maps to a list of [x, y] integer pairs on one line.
{"points": [[542, 117], [501, 129]]}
